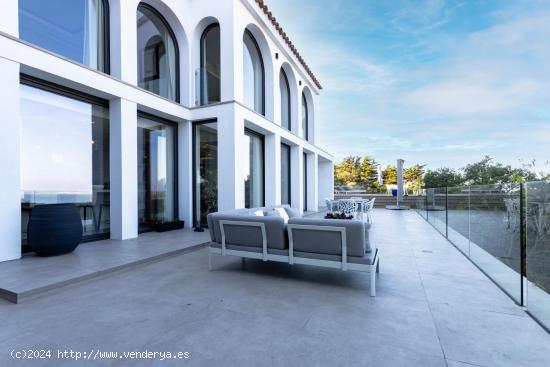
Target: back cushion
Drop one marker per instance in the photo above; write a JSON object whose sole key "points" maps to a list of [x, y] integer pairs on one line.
{"points": [[325, 242], [251, 236]]}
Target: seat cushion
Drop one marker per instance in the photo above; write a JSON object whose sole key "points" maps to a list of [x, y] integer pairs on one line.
{"points": [[329, 242]]}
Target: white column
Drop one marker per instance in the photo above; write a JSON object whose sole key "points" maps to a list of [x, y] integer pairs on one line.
{"points": [[326, 181], [9, 19], [231, 61], [312, 182], [10, 145], [272, 169], [230, 161], [124, 179], [297, 178], [185, 173], [123, 39]]}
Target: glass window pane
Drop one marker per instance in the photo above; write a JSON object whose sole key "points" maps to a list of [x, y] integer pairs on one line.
{"points": [[206, 171], [156, 172], [285, 174], [71, 28], [305, 118], [253, 83], [65, 156], [285, 100], [305, 181], [210, 65], [253, 156], [157, 54]]}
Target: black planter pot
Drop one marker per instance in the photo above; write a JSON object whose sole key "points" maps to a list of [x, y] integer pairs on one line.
{"points": [[54, 229], [169, 226]]}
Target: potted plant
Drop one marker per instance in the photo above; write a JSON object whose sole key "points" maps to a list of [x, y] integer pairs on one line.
{"points": [[338, 215]]}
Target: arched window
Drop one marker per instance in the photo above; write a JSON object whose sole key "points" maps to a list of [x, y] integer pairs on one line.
{"points": [[305, 118], [210, 65], [254, 74], [74, 29], [157, 54], [285, 100]]}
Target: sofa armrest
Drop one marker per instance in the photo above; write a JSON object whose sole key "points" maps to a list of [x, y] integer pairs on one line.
{"points": [[225, 225], [342, 230]]}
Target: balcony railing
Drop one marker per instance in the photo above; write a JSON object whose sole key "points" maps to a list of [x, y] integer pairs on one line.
{"points": [[503, 229]]}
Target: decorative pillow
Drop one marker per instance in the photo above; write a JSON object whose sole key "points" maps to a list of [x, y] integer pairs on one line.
{"points": [[292, 213], [259, 213], [282, 213]]}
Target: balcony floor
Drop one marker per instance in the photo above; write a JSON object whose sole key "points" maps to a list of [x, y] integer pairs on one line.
{"points": [[433, 308]]}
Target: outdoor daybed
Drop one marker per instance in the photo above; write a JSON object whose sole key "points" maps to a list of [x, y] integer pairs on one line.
{"points": [[330, 243]]}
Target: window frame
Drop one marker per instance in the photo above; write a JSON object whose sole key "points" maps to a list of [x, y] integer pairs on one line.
{"points": [[305, 128], [171, 123], [106, 67], [289, 104], [248, 33], [203, 64], [176, 47], [262, 138]]}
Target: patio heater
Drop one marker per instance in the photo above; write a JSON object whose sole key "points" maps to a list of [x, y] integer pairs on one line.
{"points": [[399, 194]]}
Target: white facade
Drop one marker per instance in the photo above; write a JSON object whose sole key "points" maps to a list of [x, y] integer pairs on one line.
{"points": [[187, 19]]}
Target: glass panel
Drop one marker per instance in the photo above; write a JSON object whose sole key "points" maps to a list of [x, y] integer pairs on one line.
{"points": [[285, 174], [156, 173], [495, 242], [305, 182], [538, 250], [210, 66], [157, 54], [206, 171], [65, 156], [285, 100], [253, 70], [253, 156], [74, 29], [305, 118], [459, 218], [437, 209], [420, 205]]}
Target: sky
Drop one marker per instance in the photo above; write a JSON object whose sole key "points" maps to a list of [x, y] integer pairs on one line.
{"points": [[435, 82]]}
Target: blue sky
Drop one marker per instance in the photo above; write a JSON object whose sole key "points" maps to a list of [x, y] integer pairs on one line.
{"points": [[436, 82]]}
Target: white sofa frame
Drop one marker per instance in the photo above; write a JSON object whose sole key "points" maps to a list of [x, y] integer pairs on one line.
{"points": [[344, 265]]}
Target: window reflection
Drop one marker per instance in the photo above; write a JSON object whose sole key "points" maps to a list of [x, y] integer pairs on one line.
{"points": [[156, 172], [285, 100], [253, 158], [253, 74], [157, 54], [285, 174], [72, 28], [210, 65], [65, 156]]}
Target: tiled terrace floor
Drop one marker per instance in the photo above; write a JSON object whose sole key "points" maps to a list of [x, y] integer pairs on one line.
{"points": [[433, 308]]}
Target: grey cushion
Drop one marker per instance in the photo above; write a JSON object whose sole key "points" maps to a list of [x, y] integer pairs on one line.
{"points": [[292, 213], [330, 243], [368, 245], [250, 236]]}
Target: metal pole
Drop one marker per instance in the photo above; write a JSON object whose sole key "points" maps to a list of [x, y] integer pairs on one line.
{"points": [[523, 244], [446, 212]]}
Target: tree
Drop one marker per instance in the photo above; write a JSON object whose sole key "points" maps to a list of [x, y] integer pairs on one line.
{"points": [[413, 176], [348, 172], [486, 172], [443, 177], [368, 173], [390, 175]]}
